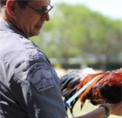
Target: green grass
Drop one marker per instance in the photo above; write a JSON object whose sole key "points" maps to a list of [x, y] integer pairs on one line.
{"points": [[87, 108]]}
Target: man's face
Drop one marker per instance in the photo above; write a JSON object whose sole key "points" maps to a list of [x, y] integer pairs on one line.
{"points": [[30, 21]]}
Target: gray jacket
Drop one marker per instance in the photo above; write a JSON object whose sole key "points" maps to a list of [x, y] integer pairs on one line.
{"points": [[29, 86]]}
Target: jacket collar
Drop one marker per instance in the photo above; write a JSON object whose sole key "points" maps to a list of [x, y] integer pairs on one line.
{"points": [[9, 27]]}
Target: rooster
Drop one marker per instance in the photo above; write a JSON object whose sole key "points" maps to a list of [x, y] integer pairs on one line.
{"points": [[107, 87]]}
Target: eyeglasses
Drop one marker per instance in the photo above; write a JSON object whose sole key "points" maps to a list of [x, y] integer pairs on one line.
{"points": [[42, 11]]}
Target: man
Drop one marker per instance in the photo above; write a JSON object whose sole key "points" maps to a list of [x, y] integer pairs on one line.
{"points": [[29, 86]]}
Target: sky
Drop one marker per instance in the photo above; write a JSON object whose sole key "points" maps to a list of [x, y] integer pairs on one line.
{"points": [[109, 8]]}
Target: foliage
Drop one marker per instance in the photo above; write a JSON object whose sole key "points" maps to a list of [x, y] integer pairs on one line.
{"points": [[74, 31]]}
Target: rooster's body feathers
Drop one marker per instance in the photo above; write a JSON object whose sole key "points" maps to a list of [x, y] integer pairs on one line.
{"points": [[106, 88]]}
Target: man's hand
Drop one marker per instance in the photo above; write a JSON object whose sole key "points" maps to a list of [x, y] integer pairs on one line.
{"points": [[116, 109]]}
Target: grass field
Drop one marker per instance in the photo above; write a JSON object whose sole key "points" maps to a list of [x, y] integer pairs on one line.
{"points": [[87, 108]]}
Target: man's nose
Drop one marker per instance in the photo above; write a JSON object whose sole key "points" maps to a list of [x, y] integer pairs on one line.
{"points": [[46, 16]]}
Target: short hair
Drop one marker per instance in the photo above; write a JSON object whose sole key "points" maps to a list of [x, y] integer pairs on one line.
{"points": [[22, 3], [2, 2]]}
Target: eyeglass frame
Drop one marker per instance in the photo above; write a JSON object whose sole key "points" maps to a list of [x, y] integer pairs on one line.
{"points": [[41, 13]]}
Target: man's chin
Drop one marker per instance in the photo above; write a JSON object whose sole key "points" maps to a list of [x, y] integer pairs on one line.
{"points": [[35, 34]]}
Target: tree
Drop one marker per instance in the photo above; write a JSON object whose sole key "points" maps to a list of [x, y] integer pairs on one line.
{"points": [[74, 31]]}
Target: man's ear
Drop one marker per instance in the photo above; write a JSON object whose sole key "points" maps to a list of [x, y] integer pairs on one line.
{"points": [[10, 5]]}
